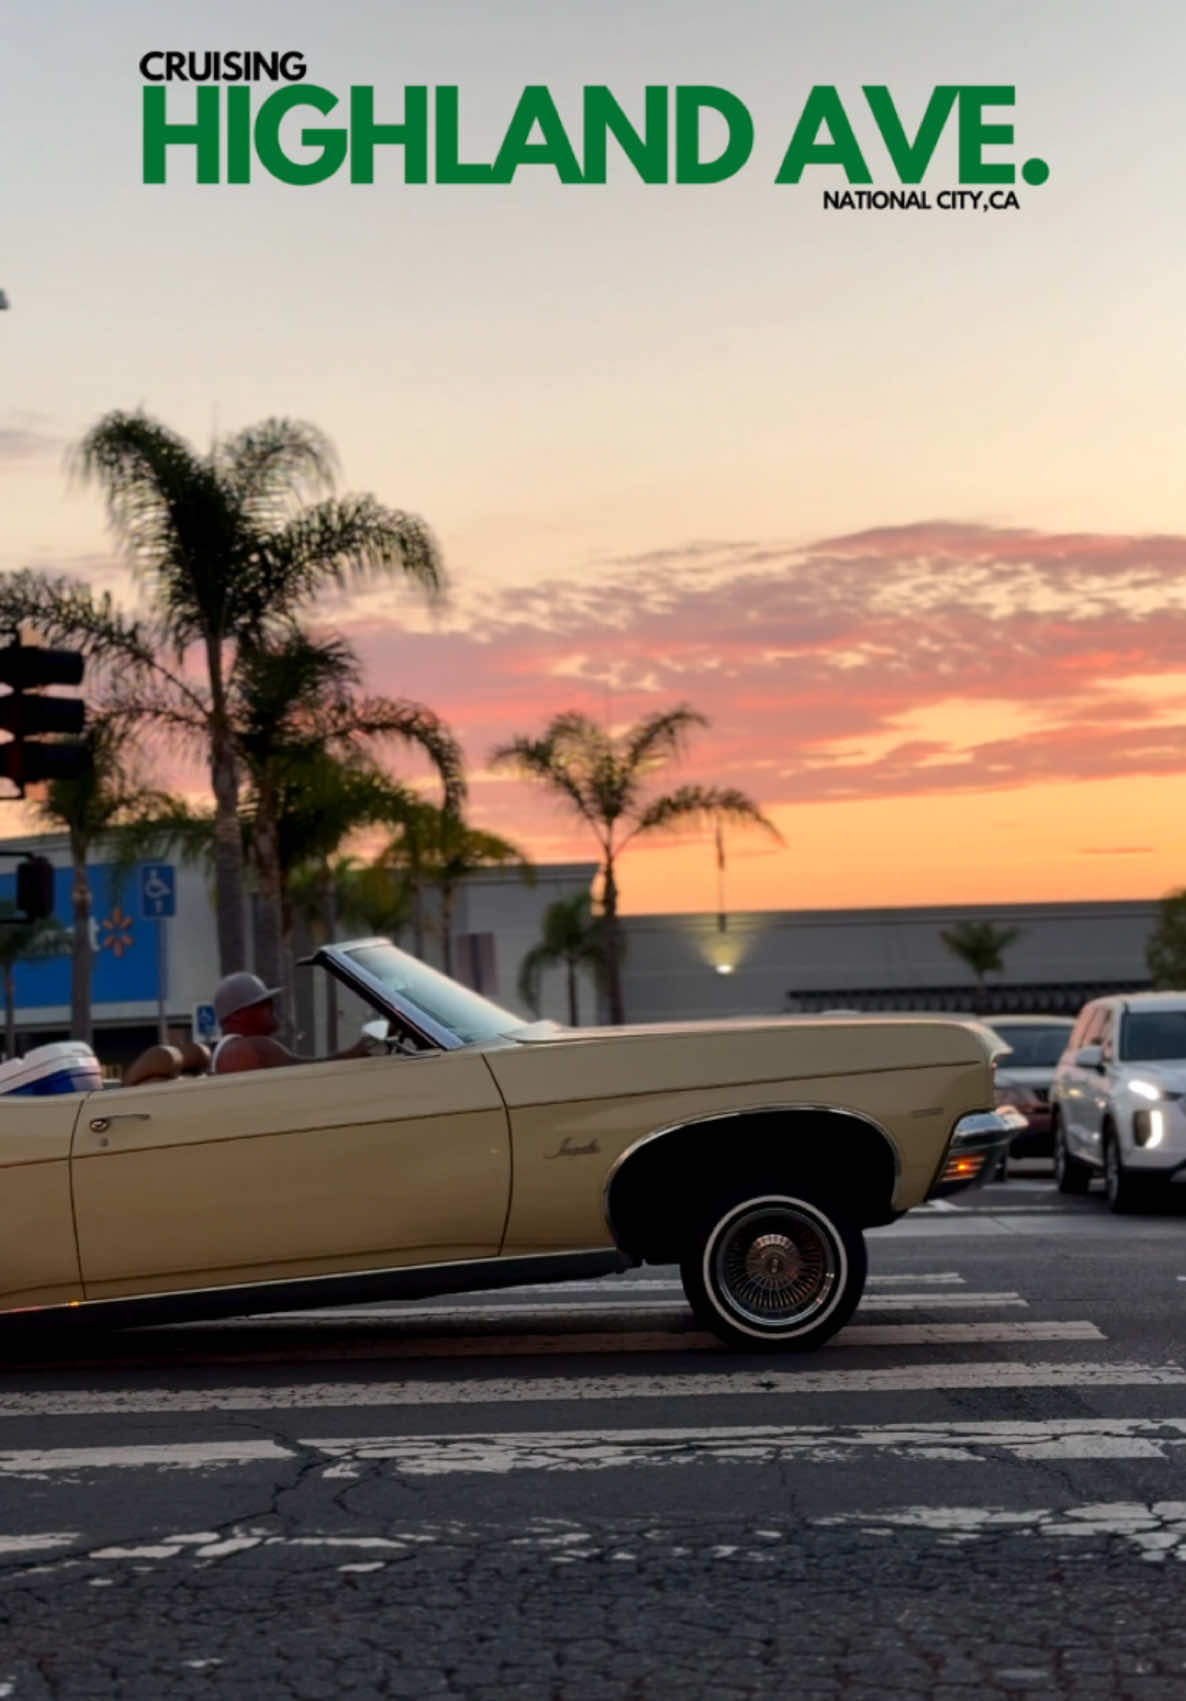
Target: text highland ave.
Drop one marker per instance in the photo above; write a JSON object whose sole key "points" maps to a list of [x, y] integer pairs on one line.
{"points": [[226, 136]]}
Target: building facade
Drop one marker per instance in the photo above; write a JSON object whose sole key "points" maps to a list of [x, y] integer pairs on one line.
{"points": [[675, 967], [686, 966]]}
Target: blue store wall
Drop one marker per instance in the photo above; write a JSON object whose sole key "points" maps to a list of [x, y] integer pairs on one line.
{"points": [[125, 966]]}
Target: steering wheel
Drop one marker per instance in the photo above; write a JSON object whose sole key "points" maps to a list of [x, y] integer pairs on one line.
{"points": [[378, 1031]]}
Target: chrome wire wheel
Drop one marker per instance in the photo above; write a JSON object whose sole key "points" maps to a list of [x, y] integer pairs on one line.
{"points": [[775, 1265]]}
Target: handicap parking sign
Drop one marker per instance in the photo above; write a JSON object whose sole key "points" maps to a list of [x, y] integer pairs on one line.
{"points": [[158, 891], [205, 1023]]}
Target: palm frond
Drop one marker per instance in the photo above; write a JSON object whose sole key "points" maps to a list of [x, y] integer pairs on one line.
{"points": [[274, 465], [693, 805], [345, 541], [660, 736]]}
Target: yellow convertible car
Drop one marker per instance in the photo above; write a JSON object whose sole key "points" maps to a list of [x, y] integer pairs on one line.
{"points": [[476, 1151]]}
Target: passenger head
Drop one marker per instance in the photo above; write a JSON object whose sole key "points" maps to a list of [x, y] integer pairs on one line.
{"points": [[244, 1005], [195, 1057]]}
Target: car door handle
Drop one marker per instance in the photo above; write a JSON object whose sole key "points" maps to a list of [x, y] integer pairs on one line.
{"points": [[100, 1124]]}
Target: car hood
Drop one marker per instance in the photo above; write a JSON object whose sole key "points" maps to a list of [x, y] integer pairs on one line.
{"points": [[551, 1033], [1171, 1076]]}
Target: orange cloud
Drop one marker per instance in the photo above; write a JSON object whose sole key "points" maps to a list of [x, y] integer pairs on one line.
{"points": [[896, 667]]}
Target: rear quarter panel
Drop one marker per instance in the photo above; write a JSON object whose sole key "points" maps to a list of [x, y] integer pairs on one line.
{"points": [[577, 1105]]}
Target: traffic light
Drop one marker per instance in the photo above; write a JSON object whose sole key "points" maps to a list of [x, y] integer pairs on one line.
{"points": [[25, 713], [35, 888]]}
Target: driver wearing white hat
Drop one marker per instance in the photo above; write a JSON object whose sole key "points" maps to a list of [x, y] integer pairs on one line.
{"points": [[245, 1010]]}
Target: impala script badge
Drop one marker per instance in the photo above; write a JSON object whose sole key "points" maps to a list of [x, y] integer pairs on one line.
{"points": [[566, 1149]]}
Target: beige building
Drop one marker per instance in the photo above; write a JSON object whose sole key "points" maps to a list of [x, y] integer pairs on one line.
{"points": [[687, 966]]}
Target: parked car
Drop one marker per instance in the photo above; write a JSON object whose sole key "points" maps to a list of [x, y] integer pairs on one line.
{"points": [[1025, 1075], [1116, 1102], [481, 1151]]}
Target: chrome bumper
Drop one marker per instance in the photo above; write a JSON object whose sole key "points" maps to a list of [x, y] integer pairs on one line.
{"points": [[976, 1143]]}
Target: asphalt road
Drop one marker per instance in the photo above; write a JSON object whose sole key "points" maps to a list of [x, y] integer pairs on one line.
{"points": [[976, 1491]]}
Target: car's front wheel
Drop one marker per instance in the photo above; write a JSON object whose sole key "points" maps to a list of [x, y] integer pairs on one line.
{"points": [[1070, 1174], [771, 1266], [1125, 1191]]}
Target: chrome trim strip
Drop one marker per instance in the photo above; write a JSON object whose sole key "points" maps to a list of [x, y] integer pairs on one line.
{"points": [[987, 1126], [494, 1262], [514, 1265], [731, 1116]]}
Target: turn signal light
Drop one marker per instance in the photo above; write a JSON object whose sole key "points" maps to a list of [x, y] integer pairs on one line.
{"points": [[964, 1168]]}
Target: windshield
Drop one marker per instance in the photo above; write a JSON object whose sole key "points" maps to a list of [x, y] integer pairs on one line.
{"points": [[1153, 1036], [409, 981], [1032, 1046]]}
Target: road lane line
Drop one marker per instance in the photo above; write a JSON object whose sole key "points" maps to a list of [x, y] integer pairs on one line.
{"points": [[596, 1449], [190, 1454], [12, 1546], [1156, 1528], [950, 1334], [422, 1311], [475, 1391]]}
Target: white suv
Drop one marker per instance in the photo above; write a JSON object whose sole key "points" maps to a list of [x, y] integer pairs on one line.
{"points": [[1117, 1100]]}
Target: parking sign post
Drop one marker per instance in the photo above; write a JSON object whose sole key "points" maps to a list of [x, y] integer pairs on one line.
{"points": [[158, 902]]}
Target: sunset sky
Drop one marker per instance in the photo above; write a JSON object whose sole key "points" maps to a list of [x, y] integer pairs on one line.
{"points": [[898, 500]]}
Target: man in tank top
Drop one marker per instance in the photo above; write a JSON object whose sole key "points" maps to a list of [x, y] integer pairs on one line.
{"points": [[246, 1012]]}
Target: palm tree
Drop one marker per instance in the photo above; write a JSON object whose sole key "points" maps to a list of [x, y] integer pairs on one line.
{"points": [[293, 704], [603, 778], [323, 801], [439, 848], [1165, 952], [229, 544], [981, 945], [378, 898], [24, 942], [573, 937], [106, 802]]}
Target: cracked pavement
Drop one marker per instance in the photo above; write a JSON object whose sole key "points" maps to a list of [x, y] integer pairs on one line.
{"points": [[1002, 1535]]}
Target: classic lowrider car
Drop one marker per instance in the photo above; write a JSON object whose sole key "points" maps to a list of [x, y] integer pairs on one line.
{"points": [[477, 1151]]}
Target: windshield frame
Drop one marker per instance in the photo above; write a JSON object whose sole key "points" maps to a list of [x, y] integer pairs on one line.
{"points": [[404, 1010]]}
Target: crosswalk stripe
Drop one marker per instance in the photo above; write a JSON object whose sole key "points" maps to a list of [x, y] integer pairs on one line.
{"points": [[598, 1449], [672, 1284], [473, 1391], [1156, 1528], [950, 1334], [585, 1343], [426, 1310]]}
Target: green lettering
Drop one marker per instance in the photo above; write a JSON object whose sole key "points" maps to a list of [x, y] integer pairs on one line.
{"points": [[271, 114], [450, 168], [910, 159], [366, 135], [648, 153], [975, 134], [690, 101], [159, 135], [238, 134], [536, 106], [824, 106]]}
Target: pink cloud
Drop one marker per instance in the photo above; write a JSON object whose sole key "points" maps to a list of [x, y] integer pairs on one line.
{"points": [[803, 655]]}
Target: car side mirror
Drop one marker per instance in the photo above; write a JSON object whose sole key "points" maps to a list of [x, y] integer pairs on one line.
{"points": [[1089, 1057], [378, 1030]]}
